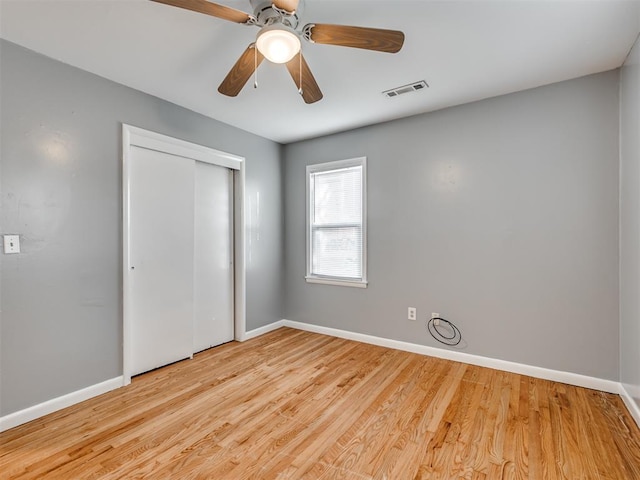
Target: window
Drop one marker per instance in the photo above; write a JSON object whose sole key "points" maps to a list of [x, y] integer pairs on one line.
{"points": [[336, 223]]}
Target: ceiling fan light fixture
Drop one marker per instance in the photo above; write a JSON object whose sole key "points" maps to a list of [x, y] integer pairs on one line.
{"points": [[278, 43]]}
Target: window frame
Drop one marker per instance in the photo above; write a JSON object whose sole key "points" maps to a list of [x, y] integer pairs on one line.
{"points": [[326, 279]]}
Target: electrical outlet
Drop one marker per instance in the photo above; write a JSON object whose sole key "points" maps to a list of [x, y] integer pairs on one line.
{"points": [[434, 315], [412, 314]]}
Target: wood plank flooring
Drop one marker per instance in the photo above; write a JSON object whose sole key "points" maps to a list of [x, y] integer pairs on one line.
{"points": [[297, 405]]}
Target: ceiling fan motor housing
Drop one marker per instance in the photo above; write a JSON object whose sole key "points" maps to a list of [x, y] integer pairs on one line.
{"points": [[266, 14]]}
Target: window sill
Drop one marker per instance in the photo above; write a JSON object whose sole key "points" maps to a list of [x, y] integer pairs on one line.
{"points": [[336, 282]]}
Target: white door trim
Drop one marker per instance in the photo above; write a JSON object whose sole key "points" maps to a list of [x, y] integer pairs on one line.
{"points": [[138, 137]]}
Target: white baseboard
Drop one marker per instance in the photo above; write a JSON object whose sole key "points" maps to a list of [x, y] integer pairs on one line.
{"points": [[522, 369], [262, 330], [632, 406], [23, 416], [31, 413]]}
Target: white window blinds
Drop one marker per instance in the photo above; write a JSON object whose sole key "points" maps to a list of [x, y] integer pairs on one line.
{"points": [[337, 221]]}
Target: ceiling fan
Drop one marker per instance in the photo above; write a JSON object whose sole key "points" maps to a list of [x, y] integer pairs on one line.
{"points": [[279, 40]]}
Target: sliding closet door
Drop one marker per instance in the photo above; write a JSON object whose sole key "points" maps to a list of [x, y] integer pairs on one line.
{"points": [[161, 225], [213, 294]]}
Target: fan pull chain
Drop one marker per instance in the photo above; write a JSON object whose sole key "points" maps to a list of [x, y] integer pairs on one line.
{"points": [[300, 66], [255, 66]]}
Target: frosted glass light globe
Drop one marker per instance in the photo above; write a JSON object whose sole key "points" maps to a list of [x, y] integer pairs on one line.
{"points": [[278, 45]]}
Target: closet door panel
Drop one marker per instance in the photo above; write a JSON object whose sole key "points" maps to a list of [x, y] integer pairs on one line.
{"points": [[213, 294], [162, 258]]}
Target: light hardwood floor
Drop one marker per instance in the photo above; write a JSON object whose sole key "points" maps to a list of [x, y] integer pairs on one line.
{"points": [[297, 405]]}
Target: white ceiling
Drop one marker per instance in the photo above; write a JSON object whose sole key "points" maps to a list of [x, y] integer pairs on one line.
{"points": [[465, 50]]}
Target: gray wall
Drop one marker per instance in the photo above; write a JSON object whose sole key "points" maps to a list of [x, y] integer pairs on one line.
{"points": [[61, 191], [630, 224], [501, 215]]}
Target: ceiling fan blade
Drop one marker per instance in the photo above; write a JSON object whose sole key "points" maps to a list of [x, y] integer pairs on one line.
{"points": [[286, 5], [310, 91], [241, 71], [209, 8], [378, 39]]}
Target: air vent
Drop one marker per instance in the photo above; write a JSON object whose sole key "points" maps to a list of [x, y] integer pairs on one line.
{"points": [[412, 87]]}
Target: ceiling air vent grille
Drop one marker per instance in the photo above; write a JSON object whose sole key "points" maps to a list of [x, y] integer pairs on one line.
{"points": [[412, 87]]}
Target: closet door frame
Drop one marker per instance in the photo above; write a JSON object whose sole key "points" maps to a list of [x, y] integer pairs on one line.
{"points": [[138, 137]]}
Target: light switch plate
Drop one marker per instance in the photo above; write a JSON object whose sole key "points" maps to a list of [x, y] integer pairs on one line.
{"points": [[11, 243]]}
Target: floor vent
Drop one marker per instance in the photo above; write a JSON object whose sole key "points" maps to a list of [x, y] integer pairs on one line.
{"points": [[412, 87]]}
